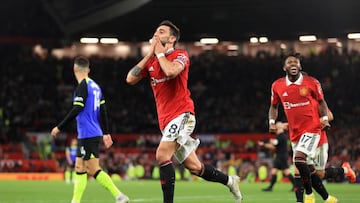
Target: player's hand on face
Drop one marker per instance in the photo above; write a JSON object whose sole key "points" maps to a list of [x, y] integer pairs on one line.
{"points": [[159, 48], [152, 46], [107, 140], [55, 131], [272, 128]]}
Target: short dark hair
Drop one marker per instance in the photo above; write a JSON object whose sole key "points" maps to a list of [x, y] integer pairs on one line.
{"points": [[173, 29], [293, 54], [82, 62]]}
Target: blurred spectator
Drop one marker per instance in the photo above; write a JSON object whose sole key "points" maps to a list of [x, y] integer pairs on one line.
{"points": [[230, 95]]}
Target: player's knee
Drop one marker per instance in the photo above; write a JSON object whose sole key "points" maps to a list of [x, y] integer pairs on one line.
{"points": [[299, 161], [286, 172], [194, 169], [79, 168], [162, 155], [312, 169], [91, 172], [160, 158], [321, 173]]}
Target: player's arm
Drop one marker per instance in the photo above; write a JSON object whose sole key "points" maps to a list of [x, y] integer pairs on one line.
{"points": [[267, 145], [78, 105], [323, 111], [170, 68], [330, 115], [104, 122], [323, 108], [135, 74], [273, 114], [104, 118]]}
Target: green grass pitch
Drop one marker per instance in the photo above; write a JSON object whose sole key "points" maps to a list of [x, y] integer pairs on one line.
{"points": [[149, 191]]}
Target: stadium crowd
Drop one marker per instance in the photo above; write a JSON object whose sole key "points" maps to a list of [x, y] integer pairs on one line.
{"points": [[230, 94]]}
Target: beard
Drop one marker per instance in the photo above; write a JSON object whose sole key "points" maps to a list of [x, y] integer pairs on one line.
{"points": [[163, 43]]}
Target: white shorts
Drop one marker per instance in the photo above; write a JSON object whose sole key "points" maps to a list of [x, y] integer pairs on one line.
{"points": [[321, 156], [307, 144], [179, 130]]}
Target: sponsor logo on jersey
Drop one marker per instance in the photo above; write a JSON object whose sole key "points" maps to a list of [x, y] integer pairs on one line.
{"points": [[151, 69], [288, 105], [285, 94], [155, 81]]}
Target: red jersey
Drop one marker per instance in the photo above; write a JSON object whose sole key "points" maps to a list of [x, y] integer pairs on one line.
{"points": [[323, 138], [300, 103], [172, 96]]}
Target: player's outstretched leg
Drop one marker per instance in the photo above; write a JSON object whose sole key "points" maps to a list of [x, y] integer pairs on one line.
{"points": [[272, 182], [348, 172], [79, 186], [167, 181], [309, 198], [298, 188], [121, 198], [209, 173], [331, 199], [233, 185], [105, 181]]}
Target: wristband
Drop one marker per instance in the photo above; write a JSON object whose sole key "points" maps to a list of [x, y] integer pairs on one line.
{"points": [[325, 118], [271, 121], [159, 55]]}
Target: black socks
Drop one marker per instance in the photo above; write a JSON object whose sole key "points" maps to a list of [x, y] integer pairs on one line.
{"points": [[167, 181], [209, 173], [304, 170]]}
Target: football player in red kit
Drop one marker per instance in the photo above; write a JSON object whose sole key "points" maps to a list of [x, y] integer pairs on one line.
{"points": [[167, 69], [306, 110]]}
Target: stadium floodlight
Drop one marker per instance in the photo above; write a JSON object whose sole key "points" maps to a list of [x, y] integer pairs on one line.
{"points": [[254, 40], [353, 35], [209, 41], [109, 40], [89, 40], [263, 39], [307, 38]]}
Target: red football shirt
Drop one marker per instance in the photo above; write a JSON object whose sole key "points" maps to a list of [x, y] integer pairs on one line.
{"points": [[172, 96], [300, 103], [323, 138]]}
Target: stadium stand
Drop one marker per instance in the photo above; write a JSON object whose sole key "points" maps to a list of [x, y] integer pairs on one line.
{"points": [[231, 95]]}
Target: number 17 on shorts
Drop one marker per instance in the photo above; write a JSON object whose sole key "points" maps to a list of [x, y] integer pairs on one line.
{"points": [[308, 143]]}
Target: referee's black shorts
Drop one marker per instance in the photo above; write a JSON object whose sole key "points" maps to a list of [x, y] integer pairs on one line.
{"points": [[281, 163]]}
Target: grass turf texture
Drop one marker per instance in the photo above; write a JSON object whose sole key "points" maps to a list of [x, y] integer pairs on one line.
{"points": [[149, 191]]}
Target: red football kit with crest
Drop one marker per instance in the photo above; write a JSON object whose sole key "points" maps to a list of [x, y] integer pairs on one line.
{"points": [[172, 96], [300, 103]]}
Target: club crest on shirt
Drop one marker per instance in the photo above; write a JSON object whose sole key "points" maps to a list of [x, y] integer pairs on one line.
{"points": [[303, 91]]}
